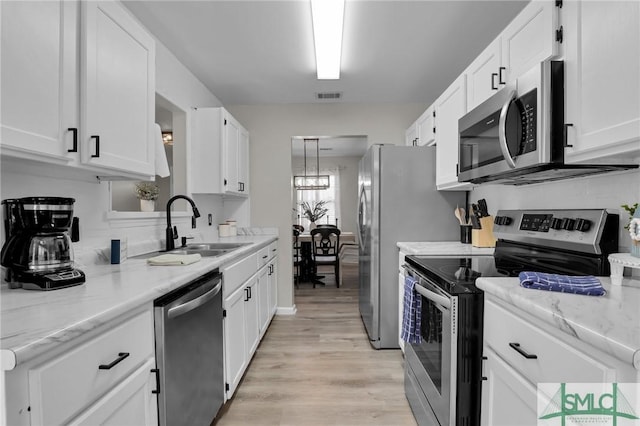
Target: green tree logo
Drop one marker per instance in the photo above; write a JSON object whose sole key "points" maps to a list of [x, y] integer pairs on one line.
{"points": [[565, 404]]}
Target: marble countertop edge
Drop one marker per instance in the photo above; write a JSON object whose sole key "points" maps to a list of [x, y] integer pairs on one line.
{"points": [[623, 343], [19, 346]]}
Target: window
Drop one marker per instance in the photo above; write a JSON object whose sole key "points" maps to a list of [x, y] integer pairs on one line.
{"points": [[331, 195]]}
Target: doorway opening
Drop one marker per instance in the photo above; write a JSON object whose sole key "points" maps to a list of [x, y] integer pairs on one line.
{"points": [[338, 158]]}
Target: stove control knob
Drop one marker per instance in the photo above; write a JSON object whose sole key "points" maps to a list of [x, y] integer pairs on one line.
{"points": [[583, 225], [502, 220], [556, 223], [568, 224]]}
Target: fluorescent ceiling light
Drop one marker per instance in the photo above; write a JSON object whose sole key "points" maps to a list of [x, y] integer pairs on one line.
{"points": [[328, 18]]}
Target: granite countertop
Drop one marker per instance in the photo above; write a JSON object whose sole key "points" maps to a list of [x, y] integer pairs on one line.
{"points": [[443, 248], [34, 322], [611, 322]]}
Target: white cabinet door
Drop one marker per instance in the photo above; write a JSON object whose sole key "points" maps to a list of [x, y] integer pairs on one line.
{"points": [[411, 135], [450, 106], [251, 318], [508, 399], [273, 286], [118, 96], [130, 403], [426, 127], [263, 299], [235, 339], [243, 161], [529, 39], [483, 75], [39, 89], [602, 77], [230, 151]]}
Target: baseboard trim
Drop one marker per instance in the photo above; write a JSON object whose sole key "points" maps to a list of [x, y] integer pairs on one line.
{"points": [[286, 311]]}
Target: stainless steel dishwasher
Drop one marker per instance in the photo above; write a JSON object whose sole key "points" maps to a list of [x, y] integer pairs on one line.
{"points": [[189, 352]]}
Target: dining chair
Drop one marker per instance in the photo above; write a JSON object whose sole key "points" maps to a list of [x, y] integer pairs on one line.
{"points": [[297, 257], [325, 242]]}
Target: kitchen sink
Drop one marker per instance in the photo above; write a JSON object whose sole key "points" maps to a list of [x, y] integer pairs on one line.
{"points": [[213, 246], [203, 249]]}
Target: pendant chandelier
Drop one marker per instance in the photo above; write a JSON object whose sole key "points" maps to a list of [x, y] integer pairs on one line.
{"points": [[311, 182]]}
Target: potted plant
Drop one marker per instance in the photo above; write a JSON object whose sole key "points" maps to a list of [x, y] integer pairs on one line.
{"points": [[147, 193], [634, 227], [314, 211]]}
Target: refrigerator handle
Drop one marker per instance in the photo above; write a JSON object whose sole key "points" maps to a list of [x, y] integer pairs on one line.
{"points": [[360, 219]]}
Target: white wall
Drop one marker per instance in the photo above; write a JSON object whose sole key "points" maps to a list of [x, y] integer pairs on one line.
{"points": [[607, 191], [271, 128]]}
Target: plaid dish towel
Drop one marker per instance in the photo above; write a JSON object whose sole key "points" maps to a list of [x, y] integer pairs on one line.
{"points": [[588, 285], [412, 312]]}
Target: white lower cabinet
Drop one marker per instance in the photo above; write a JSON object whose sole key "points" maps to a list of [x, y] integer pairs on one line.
{"points": [[520, 352], [104, 379], [235, 340], [249, 296], [130, 403], [508, 399], [273, 286]]}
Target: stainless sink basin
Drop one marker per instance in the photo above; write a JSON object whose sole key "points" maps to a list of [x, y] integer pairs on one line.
{"points": [[213, 246], [203, 249]]}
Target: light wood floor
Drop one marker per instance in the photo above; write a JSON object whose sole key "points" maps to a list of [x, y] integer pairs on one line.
{"points": [[318, 368]]}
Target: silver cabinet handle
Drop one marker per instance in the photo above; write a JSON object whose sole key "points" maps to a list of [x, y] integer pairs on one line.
{"points": [[176, 311]]}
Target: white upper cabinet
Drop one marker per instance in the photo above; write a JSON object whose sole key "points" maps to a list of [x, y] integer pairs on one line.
{"points": [[118, 96], [78, 86], [219, 153], [450, 106], [529, 39], [411, 135], [602, 80], [39, 90], [483, 75], [422, 131]]}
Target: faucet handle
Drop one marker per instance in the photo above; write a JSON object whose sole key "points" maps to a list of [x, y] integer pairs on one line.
{"points": [[175, 233]]}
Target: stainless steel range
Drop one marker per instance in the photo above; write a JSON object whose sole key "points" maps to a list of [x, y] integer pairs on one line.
{"points": [[443, 373]]}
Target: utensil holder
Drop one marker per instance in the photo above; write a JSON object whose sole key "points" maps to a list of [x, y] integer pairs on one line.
{"points": [[465, 234], [484, 237]]}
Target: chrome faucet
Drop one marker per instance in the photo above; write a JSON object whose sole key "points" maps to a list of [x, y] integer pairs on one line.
{"points": [[172, 232]]}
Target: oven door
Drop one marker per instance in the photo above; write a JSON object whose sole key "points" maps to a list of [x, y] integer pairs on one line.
{"points": [[433, 360]]}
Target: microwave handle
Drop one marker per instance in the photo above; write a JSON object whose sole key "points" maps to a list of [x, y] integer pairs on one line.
{"points": [[502, 130]]}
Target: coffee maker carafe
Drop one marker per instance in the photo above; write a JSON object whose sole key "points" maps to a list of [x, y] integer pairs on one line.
{"points": [[37, 253]]}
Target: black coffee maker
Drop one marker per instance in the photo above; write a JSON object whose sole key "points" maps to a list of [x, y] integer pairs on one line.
{"points": [[37, 253]]}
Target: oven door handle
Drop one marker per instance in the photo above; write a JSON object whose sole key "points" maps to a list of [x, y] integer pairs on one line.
{"points": [[502, 130], [436, 298]]}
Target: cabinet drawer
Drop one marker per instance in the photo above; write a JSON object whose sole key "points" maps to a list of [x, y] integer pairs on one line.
{"points": [[263, 257], [64, 386], [233, 276], [555, 360]]}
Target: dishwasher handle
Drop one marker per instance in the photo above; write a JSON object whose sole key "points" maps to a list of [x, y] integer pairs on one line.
{"points": [[192, 304]]}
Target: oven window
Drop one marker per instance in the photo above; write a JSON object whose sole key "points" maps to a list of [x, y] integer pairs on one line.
{"points": [[479, 144], [430, 350]]}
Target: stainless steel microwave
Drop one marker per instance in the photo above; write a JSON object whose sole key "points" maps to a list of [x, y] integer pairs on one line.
{"points": [[517, 136]]}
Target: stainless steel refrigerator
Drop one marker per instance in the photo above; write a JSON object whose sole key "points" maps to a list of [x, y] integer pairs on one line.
{"points": [[398, 201]]}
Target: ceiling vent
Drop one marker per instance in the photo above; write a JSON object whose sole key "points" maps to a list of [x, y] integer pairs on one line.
{"points": [[329, 95]]}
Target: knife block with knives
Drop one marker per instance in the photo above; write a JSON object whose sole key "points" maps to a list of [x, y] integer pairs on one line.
{"points": [[482, 231], [483, 237]]}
